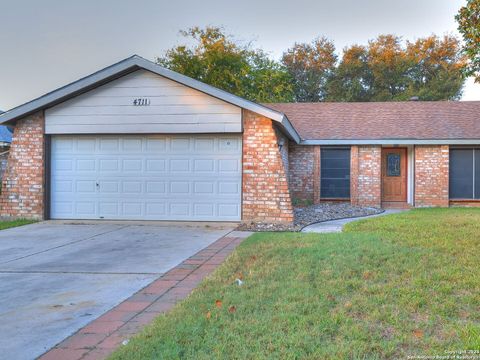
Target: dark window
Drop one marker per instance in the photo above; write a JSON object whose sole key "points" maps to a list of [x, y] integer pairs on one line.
{"points": [[393, 164], [335, 173], [477, 174], [465, 173]]}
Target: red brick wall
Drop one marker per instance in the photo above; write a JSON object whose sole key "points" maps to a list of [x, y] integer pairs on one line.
{"points": [[366, 176], [431, 175], [457, 203], [266, 196], [301, 172], [23, 181]]}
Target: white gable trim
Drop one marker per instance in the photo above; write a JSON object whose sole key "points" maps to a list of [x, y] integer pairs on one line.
{"points": [[134, 63]]}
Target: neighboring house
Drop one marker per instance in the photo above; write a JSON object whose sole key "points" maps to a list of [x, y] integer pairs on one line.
{"points": [[5, 140], [137, 141]]}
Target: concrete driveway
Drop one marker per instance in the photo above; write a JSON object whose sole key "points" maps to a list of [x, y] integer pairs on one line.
{"points": [[56, 277]]}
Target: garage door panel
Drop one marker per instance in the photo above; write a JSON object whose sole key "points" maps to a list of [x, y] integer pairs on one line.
{"points": [[65, 208], [179, 209], [157, 145], [177, 165], [155, 210], [228, 209], [200, 209], [228, 166], [150, 177], [204, 165], [85, 208], [157, 165], [133, 145], [132, 187], [204, 145], [85, 186], [229, 145], [85, 165], [85, 145], [109, 145], [108, 209], [133, 209]]}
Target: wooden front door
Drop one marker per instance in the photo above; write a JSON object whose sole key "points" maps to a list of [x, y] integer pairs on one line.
{"points": [[394, 174]]}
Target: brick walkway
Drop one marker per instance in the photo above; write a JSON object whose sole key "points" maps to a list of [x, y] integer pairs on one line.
{"points": [[102, 336]]}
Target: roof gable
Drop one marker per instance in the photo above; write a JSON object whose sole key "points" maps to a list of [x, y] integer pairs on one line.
{"points": [[132, 64]]}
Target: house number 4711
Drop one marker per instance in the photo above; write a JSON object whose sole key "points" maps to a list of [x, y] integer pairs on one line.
{"points": [[141, 102]]}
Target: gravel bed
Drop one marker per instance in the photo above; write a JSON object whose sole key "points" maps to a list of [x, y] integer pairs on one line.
{"points": [[313, 214]]}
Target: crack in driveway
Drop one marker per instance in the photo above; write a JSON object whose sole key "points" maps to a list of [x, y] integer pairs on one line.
{"points": [[63, 245]]}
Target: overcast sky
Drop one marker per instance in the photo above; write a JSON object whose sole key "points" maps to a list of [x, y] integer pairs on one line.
{"points": [[46, 44]]}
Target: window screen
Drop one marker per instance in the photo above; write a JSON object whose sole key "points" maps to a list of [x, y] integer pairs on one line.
{"points": [[477, 173], [335, 173], [462, 173]]}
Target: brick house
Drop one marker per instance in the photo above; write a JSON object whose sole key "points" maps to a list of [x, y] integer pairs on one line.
{"points": [[139, 142]]}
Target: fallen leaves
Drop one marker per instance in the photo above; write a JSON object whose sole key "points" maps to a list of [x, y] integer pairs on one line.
{"points": [[418, 333], [367, 275], [218, 305]]}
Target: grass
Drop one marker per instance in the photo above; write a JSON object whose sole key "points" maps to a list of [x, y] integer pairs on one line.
{"points": [[389, 287], [14, 223]]}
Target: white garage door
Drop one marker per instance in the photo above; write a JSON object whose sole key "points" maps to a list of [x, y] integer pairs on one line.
{"points": [[146, 177]]}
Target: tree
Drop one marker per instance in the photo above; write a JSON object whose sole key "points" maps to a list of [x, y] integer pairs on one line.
{"points": [[436, 72], [216, 59], [389, 68], [352, 79], [468, 19], [386, 70], [310, 66]]}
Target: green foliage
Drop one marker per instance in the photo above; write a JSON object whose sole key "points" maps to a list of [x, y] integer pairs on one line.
{"points": [[301, 202], [311, 66], [218, 60], [15, 223], [353, 79], [388, 288], [385, 70], [468, 19]]}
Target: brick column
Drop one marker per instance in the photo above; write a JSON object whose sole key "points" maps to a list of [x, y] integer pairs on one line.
{"points": [[23, 182], [316, 174], [366, 176], [301, 172], [266, 196], [431, 176]]}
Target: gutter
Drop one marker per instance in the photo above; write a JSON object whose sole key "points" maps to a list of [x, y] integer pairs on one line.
{"points": [[392, 142]]}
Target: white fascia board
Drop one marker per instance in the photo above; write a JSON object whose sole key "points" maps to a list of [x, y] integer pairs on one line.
{"points": [[131, 64], [68, 91], [393, 142]]}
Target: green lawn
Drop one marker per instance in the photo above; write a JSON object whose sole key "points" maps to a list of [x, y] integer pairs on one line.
{"points": [[14, 223], [399, 285]]}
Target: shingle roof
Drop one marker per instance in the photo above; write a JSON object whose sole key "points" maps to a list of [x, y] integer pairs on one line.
{"points": [[384, 120]]}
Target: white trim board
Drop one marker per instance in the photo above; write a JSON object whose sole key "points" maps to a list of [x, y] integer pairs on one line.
{"points": [[129, 65]]}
